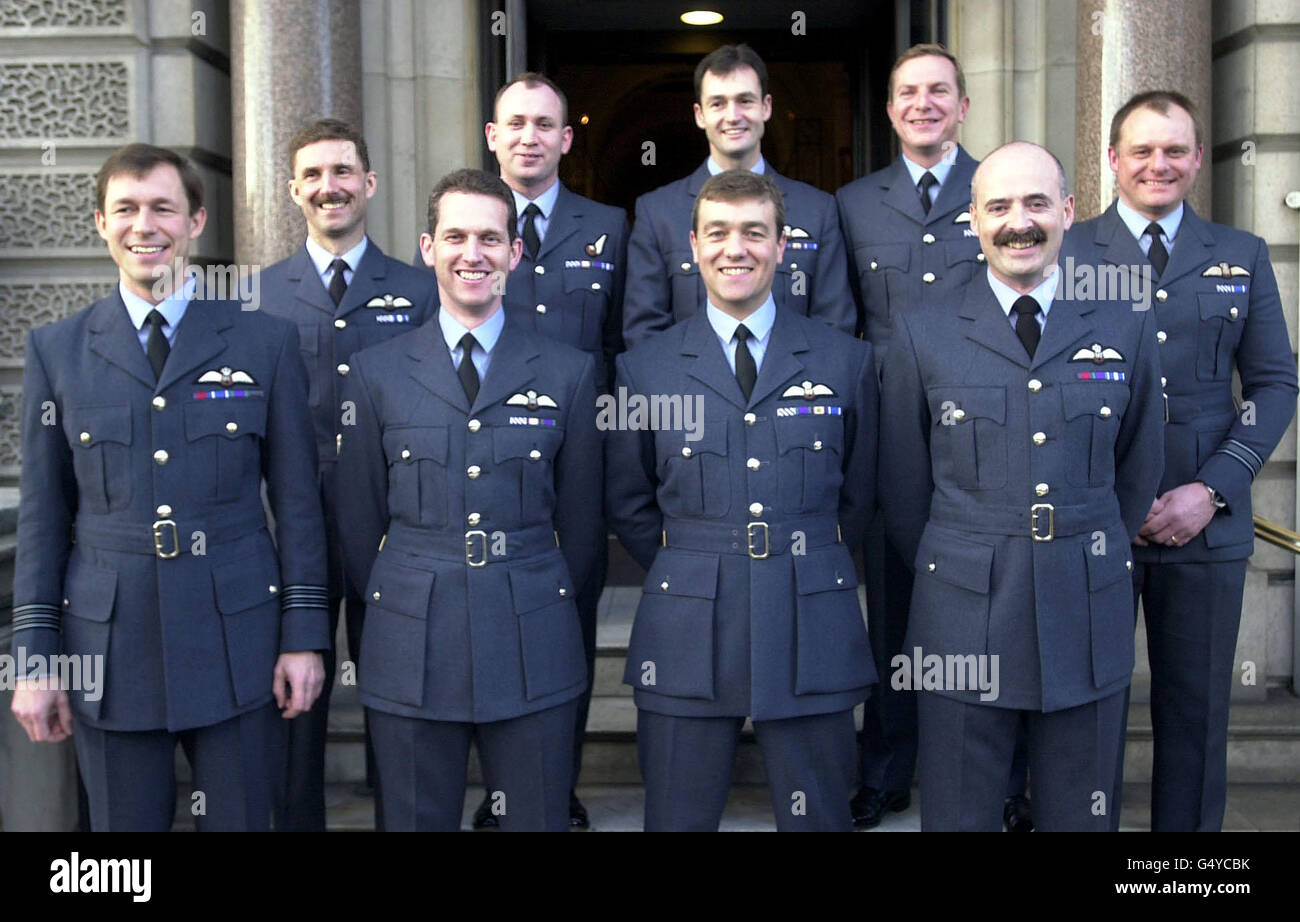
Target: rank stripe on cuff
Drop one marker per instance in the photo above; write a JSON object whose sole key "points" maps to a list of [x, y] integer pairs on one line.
{"points": [[1242, 446], [36, 615], [1244, 462], [301, 595]]}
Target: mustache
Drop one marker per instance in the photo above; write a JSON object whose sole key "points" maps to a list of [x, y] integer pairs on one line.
{"points": [[1006, 237], [330, 199]]}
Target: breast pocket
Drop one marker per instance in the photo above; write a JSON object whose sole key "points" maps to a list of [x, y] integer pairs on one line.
{"points": [[693, 474], [794, 275], [525, 465], [968, 436], [100, 438], [1092, 416], [809, 462], [688, 289], [417, 473], [587, 293], [882, 274], [962, 259], [226, 438], [1223, 317]]}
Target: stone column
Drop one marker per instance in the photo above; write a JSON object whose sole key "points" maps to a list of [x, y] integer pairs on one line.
{"points": [[293, 60], [1126, 47]]}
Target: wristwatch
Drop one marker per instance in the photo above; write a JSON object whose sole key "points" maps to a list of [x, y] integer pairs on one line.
{"points": [[1219, 501]]}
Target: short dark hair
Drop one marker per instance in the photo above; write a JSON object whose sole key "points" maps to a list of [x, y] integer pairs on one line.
{"points": [[327, 129], [474, 182], [533, 80], [724, 60], [139, 160], [740, 186], [1160, 101], [926, 50]]}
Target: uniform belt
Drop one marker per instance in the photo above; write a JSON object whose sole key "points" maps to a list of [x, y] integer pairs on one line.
{"points": [[756, 539], [1041, 521], [1187, 409], [477, 547], [168, 536]]}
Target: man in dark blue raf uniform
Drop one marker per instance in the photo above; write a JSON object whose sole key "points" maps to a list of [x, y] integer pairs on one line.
{"points": [[909, 242], [150, 420], [1217, 309], [1021, 444], [470, 452], [750, 607], [568, 286], [664, 282]]}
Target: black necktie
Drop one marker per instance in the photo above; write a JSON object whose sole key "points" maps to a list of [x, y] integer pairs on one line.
{"points": [[156, 345], [467, 373], [1158, 255], [338, 284], [746, 370], [927, 183], [1027, 309], [532, 242]]}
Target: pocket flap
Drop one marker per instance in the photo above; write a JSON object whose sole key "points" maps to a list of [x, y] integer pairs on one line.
{"points": [[587, 279], [1104, 569], [89, 426], [814, 433], [825, 570], [682, 573], [967, 249], [1098, 400], [712, 440], [540, 581], [1231, 308], [231, 418], [245, 583], [90, 592], [521, 441], [952, 406], [878, 257], [416, 443], [399, 588], [967, 564]]}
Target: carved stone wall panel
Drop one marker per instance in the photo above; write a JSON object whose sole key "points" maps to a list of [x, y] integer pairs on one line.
{"points": [[65, 99], [47, 210], [80, 15], [10, 439], [25, 305]]}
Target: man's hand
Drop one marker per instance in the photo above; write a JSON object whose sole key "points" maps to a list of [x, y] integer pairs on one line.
{"points": [[44, 712], [298, 681], [1178, 516]]}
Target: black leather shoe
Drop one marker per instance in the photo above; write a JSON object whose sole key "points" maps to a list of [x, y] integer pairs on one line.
{"points": [[577, 812], [869, 805], [484, 818], [1016, 815]]}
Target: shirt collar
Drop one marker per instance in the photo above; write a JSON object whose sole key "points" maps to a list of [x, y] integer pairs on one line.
{"points": [[1137, 223], [715, 168], [321, 258], [486, 333], [1043, 294], [940, 169], [171, 307], [758, 323], [545, 202]]}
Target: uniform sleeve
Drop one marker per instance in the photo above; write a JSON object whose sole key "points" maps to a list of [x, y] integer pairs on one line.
{"points": [[47, 507], [1140, 444], [1268, 391], [647, 296], [288, 460], [579, 469], [612, 335], [832, 301], [858, 495], [361, 499], [631, 485], [906, 482]]}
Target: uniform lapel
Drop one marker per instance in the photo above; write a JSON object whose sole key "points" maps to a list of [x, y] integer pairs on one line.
{"points": [[114, 339], [510, 368], [710, 367], [367, 281], [1193, 248], [1114, 242], [902, 195], [955, 191], [780, 361], [565, 221], [198, 340], [695, 182], [1067, 323], [431, 365], [309, 289], [989, 326]]}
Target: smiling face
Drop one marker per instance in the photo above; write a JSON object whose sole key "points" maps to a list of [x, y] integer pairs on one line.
{"points": [[471, 254], [925, 107], [529, 137], [1019, 214], [332, 187], [1156, 160], [147, 224], [737, 246], [733, 111]]}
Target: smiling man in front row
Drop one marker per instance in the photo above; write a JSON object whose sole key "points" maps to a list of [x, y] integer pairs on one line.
{"points": [[750, 607]]}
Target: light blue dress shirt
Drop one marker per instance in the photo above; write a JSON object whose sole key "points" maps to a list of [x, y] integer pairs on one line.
{"points": [[172, 308], [1043, 294], [322, 259], [1137, 225], [486, 334], [758, 323], [544, 202]]}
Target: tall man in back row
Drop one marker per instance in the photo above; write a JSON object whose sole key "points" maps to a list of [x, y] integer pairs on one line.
{"points": [[1217, 310], [665, 284]]}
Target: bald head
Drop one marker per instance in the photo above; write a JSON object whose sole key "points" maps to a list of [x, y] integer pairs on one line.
{"points": [[1020, 152]]}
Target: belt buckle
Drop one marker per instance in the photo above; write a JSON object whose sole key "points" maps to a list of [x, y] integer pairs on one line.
{"points": [[749, 537], [469, 547], [158, 534], [1051, 521]]}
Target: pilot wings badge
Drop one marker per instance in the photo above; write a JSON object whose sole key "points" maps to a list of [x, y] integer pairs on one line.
{"points": [[532, 400], [225, 377], [1098, 354], [808, 391]]}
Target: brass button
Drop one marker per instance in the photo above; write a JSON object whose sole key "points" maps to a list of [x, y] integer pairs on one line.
{"points": [[928, 278], [474, 425], [959, 414], [664, 585], [273, 589], [839, 581], [752, 464], [750, 419], [473, 518], [979, 257], [1232, 312], [1162, 295], [541, 308], [1039, 438], [794, 266], [1161, 337], [931, 566], [375, 595], [160, 457], [563, 591], [686, 451], [1035, 385], [1163, 380], [540, 270], [164, 511], [1104, 412], [1128, 565], [534, 455], [406, 454], [85, 438], [232, 427], [927, 238], [473, 471], [817, 445], [66, 603], [340, 324], [159, 402], [595, 286], [874, 265], [344, 368], [755, 509], [1040, 489], [686, 267]]}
